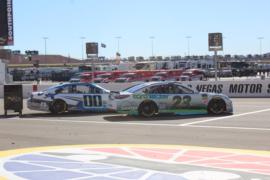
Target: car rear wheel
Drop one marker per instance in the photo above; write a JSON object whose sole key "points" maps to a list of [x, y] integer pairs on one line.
{"points": [[216, 106], [148, 109], [58, 107]]}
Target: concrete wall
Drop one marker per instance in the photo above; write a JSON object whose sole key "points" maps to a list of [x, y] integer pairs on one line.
{"points": [[2, 72], [245, 88]]}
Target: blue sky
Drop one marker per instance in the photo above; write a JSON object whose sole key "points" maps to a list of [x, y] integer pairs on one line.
{"points": [[169, 21]]}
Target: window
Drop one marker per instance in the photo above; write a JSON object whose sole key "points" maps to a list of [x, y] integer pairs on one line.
{"points": [[161, 89], [65, 89], [155, 90], [95, 90], [183, 90], [82, 89]]}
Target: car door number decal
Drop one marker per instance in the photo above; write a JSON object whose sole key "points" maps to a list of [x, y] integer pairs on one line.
{"points": [[92, 100], [178, 101]]}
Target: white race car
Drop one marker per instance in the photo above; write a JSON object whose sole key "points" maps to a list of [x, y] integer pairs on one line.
{"points": [[151, 98], [71, 97]]}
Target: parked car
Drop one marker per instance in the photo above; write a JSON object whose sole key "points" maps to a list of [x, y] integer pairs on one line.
{"points": [[122, 80], [150, 98], [220, 73], [75, 78], [192, 75], [127, 77], [70, 97], [187, 76], [159, 76], [103, 78]]}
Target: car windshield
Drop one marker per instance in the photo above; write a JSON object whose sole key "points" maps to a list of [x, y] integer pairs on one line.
{"points": [[185, 88], [53, 87]]}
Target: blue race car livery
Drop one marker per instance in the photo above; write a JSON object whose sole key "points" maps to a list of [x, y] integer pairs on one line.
{"points": [[70, 97]]}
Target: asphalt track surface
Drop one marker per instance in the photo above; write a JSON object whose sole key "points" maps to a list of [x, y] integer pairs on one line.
{"points": [[248, 128], [120, 147]]}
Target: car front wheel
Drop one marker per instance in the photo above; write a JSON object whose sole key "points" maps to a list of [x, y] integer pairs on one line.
{"points": [[58, 107], [148, 109]]}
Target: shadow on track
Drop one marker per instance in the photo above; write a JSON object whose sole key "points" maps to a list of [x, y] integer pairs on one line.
{"points": [[160, 117], [50, 115]]}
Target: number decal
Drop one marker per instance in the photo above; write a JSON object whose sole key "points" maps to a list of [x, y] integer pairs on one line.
{"points": [[92, 100], [177, 101], [186, 100]]}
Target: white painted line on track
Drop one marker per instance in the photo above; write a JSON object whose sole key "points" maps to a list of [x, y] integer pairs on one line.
{"points": [[229, 127], [92, 122], [224, 117], [139, 124]]}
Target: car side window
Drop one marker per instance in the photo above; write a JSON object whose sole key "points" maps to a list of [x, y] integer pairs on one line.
{"points": [[154, 90], [159, 89], [171, 89], [82, 89], [95, 90]]}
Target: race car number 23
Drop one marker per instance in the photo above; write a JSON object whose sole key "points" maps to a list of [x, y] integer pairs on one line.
{"points": [[92, 100]]}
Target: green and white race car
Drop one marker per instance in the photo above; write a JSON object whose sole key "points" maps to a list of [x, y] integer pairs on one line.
{"points": [[151, 98]]}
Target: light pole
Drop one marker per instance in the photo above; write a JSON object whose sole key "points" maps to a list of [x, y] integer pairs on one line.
{"points": [[188, 44], [45, 47], [152, 44], [118, 43], [260, 40], [223, 39], [82, 42]]}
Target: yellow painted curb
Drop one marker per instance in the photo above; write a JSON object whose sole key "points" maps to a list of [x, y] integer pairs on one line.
{"points": [[46, 148]]}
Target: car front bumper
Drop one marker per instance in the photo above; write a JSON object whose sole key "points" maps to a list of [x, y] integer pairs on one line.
{"points": [[37, 105]]}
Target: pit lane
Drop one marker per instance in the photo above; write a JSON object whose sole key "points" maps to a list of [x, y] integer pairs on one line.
{"points": [[247, 128]]}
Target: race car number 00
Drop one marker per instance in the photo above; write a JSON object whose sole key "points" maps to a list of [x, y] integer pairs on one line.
{"points": [[92, 101]]}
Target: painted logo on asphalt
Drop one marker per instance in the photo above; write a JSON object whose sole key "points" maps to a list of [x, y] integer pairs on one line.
{"points": [[110, 162]]}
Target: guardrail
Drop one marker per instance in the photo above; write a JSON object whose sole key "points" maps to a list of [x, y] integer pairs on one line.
{"points": [[244, 88]]}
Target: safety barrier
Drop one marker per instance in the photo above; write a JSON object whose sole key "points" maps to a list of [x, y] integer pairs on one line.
{"points": [[243, 88]]}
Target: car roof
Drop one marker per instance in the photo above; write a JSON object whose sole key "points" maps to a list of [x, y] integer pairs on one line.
{"points": [[159, 83], [146, 84], [76, 83]]}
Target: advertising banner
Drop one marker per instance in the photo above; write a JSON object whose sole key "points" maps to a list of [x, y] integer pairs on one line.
{"points": [[6, 23], [247, 88]]}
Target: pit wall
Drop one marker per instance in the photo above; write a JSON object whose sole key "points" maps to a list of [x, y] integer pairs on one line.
{"points": [[245, 88]]}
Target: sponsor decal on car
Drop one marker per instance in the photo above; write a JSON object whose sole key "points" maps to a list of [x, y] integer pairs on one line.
{"points": [[150, 96]]}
